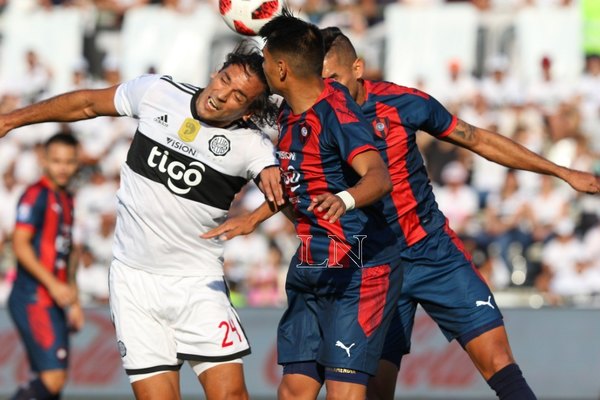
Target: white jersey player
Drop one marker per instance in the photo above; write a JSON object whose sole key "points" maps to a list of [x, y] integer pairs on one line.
{"points": [[194, 149]]}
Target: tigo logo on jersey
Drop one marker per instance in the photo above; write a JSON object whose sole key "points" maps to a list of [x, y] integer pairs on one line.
{"points": [[189, 130], [163, 120], [219, 145], [177, 171]]}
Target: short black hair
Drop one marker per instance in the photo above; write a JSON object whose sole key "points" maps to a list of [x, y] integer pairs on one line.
{"points": [[299, 41], [335, 41], [62, 138], [247, 55]]}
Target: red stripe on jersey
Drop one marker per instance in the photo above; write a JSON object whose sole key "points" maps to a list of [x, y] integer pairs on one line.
{"points": [[402, 195], [461, 247], [358, 150], [312, 173], [66, 202], [31, 195], [41, 325], [449, 129], [373, 292], [391, 89]]}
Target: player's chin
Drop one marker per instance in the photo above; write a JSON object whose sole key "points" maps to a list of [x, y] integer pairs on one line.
{"points": [[62, 181]]}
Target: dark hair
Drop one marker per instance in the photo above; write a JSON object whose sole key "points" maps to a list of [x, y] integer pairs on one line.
{"points": [[62, 138], [335, 41], [300, 42], [247, 55]]}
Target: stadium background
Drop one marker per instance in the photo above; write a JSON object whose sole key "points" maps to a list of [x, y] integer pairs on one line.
{"points": [[536, 241]]}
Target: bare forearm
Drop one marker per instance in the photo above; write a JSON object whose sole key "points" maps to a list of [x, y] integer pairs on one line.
{"points": [[73, 264], [27, 258], [502, 150], [372, 186]]}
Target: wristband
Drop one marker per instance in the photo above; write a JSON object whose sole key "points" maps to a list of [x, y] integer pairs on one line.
{"points": [[347, 199]]}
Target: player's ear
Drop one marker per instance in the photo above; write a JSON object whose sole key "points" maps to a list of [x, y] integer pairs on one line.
{"points": [[282, 68], [358, 68]]}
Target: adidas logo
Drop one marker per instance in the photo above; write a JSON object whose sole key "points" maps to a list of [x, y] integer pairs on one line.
{"points": [[163, 120]]}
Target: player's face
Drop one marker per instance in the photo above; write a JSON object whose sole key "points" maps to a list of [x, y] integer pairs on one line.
{"points": [[271, 70], [343, 72], [60, 163], [228, 96]]}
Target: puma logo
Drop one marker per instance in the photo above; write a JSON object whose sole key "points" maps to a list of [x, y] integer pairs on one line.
{"points": [[343, 346], [484, 303]]}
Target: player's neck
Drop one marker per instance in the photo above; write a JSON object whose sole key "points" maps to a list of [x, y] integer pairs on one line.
{"points": [[361, 94], [48, 181], [302, 95]]}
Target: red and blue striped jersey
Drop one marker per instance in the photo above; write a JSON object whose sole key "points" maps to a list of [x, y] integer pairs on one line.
{"points": [[316, 149], [48, 214], [397, 113]]}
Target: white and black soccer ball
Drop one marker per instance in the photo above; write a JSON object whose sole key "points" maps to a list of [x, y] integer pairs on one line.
{"points": [[246, 17]]}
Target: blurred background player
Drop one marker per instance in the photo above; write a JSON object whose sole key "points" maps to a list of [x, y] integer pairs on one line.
{"points": [[448, 288], [44, 302], [193, 151]]}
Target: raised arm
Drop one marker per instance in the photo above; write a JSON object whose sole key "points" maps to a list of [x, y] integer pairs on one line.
{"points": [[375, 183], [68, 107], [504, 151]]}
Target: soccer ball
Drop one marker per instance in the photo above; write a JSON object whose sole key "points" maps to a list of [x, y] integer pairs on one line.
{"points": [[246, 17]]}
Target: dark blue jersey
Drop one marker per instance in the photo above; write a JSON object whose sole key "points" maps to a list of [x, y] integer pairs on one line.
{"points": [[316, 149], [396, 114], [48, 214]]}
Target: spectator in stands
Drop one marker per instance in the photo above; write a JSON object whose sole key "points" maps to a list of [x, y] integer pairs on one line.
{"points": [[457, 200], [458, 87], [506, 221], [546, 93], [591, 244], [565, 267], [588, 90], [92, 279], [549, 206], [10, 192], [263, 281], [498, 87], [36, 78]]}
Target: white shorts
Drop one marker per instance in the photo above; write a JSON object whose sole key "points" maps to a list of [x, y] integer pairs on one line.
{"points": [[162, 320]]}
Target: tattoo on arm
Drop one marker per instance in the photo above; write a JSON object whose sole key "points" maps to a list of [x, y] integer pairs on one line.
{"points": [[465, 131]]}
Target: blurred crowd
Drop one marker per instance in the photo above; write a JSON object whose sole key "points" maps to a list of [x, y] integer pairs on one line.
{"points": [[526, 232]]}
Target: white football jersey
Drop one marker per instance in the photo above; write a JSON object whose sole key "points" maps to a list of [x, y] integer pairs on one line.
{"points": [[180, 178]]}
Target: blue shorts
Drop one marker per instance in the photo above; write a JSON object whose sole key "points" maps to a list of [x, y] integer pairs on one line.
{"points": [[43, 329], [440, 276], [338, 317]]}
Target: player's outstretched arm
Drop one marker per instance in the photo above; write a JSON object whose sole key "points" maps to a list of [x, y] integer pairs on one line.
{"points": [[244, 224], [68, 107], [504, 151], [375, 183]]}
